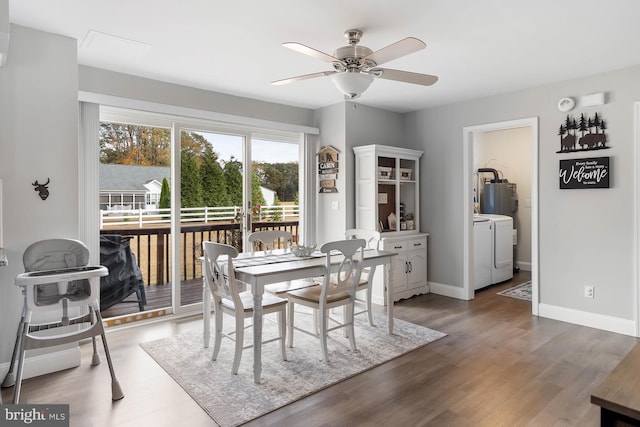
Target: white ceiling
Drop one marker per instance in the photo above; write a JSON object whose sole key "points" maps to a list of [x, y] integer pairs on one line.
{"points": [[477, 47]]}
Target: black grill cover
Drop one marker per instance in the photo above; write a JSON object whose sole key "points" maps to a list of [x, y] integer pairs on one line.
{"points": [[124, 276]]}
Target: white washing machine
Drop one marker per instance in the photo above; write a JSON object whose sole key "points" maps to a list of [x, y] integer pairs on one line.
{"points": [[482, 259], [493, 249], [502, 249]]}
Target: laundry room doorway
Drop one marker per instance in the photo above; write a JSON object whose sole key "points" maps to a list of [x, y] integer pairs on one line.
{"points": [[506, 153]]}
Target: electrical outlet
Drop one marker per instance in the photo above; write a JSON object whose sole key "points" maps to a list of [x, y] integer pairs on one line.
{"points": [[588, 291]]}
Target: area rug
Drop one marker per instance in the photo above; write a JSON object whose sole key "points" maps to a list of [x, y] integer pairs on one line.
{"points": [[521, 291], [235, 399]]}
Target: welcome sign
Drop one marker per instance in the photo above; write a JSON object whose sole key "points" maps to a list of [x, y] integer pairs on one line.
{"points": [[584, 173]]}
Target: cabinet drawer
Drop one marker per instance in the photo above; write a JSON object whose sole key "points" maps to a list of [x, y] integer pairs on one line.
{"points": [[419, 243], [405, 244], [395, 245]]}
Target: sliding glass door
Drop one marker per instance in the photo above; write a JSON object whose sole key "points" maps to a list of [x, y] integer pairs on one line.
{"points": [[167, 184], [213, 200]]}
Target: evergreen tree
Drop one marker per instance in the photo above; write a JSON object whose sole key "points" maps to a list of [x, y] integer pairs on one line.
{"points": [[257, 199], [233, 178], [165, 195], [214, 185], [191, 184], [277, 214], [583, 127]]}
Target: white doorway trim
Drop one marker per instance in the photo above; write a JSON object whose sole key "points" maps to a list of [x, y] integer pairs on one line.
{"points": [[467, 154], [636, 219]]}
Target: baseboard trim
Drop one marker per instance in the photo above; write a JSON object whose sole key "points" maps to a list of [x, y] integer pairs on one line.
{"points": [[526, 266], [46, 363], [447, 290], [592, 320]]}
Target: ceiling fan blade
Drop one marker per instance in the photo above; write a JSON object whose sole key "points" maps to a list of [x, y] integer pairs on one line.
{"points": [[396, 50], [404, 76], [298, 47], [303, 77]]}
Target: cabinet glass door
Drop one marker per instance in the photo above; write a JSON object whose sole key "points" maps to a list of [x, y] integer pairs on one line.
{"points": [[407, 203], [387, 209]]}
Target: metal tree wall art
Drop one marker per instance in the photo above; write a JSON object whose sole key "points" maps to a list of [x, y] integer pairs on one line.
{"points": [[587, 133]]}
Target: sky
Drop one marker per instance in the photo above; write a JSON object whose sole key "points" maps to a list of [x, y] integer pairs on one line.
{"points": [[262, 151]]}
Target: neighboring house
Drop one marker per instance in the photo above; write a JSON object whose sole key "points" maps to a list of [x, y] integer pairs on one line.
{"points": [[125, 187], [268, 195]]}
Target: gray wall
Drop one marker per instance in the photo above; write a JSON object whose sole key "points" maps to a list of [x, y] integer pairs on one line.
{"points": [[585, 236], [127, 86], [344, 126], [38, 140]]}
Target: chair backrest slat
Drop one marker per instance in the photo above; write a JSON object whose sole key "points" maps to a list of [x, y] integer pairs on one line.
{"points": [[350, 269], [371, 236], [268, 239], [219, 272]]}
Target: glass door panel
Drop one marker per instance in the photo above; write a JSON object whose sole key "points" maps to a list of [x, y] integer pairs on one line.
{"points": [[134, 165], [211, 201], [275, 176]]}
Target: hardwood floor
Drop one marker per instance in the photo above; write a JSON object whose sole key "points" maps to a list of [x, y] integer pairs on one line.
{"points": [[498, 366]]}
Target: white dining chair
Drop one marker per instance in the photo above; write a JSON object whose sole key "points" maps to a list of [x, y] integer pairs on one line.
{"points": [[267, 240], [331, 293], [227, 298], [365, 285]]}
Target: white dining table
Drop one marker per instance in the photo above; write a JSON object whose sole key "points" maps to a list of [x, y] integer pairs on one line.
{"points": [[288, 267]]}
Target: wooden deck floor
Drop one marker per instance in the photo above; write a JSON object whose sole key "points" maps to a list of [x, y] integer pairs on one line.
{"points": [[158, 297]]}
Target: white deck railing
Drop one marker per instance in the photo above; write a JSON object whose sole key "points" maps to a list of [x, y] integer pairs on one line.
{"points": [[143, 217]]}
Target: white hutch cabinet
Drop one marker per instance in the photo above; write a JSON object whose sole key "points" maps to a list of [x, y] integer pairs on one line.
{"points": [[388, 200]]}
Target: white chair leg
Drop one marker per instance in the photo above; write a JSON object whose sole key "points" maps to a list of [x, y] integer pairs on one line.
{"points": [[239, 344], [290, 312], [324, 323], [349, 310], [368, 302], [316, 330], [283, 332], [217, 339]]}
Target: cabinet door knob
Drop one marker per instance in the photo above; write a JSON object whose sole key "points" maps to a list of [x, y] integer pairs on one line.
{"points": [[417, 244], [397, 247]]}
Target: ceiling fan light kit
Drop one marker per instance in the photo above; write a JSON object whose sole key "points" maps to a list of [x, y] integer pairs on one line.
{"points": [[355, 66], [352, 84]]}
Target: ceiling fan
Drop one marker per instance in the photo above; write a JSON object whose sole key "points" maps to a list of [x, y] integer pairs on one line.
{"points": [[355, 66]]}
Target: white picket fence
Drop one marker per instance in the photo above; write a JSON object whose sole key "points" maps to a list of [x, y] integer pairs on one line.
{"points": [[144, 217]]}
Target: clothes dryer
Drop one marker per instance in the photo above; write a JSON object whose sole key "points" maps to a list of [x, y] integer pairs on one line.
{"points": [[502, 247], [482, 249]]}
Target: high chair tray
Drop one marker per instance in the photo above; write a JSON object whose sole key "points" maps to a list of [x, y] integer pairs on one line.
{"points": [[61, 275]]}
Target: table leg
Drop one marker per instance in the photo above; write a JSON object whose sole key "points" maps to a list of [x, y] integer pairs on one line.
{"points": [[389, 273], [257, 291], [206, 311]]}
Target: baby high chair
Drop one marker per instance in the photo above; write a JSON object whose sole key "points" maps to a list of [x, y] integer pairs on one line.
{"points": [[58, 278]]}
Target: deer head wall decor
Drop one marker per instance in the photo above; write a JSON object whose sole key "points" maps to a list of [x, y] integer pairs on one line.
{"points": [[42, 189]]}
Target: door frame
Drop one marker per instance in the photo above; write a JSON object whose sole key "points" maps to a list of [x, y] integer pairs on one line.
{"points": [[467, 217], [636, 216]]}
